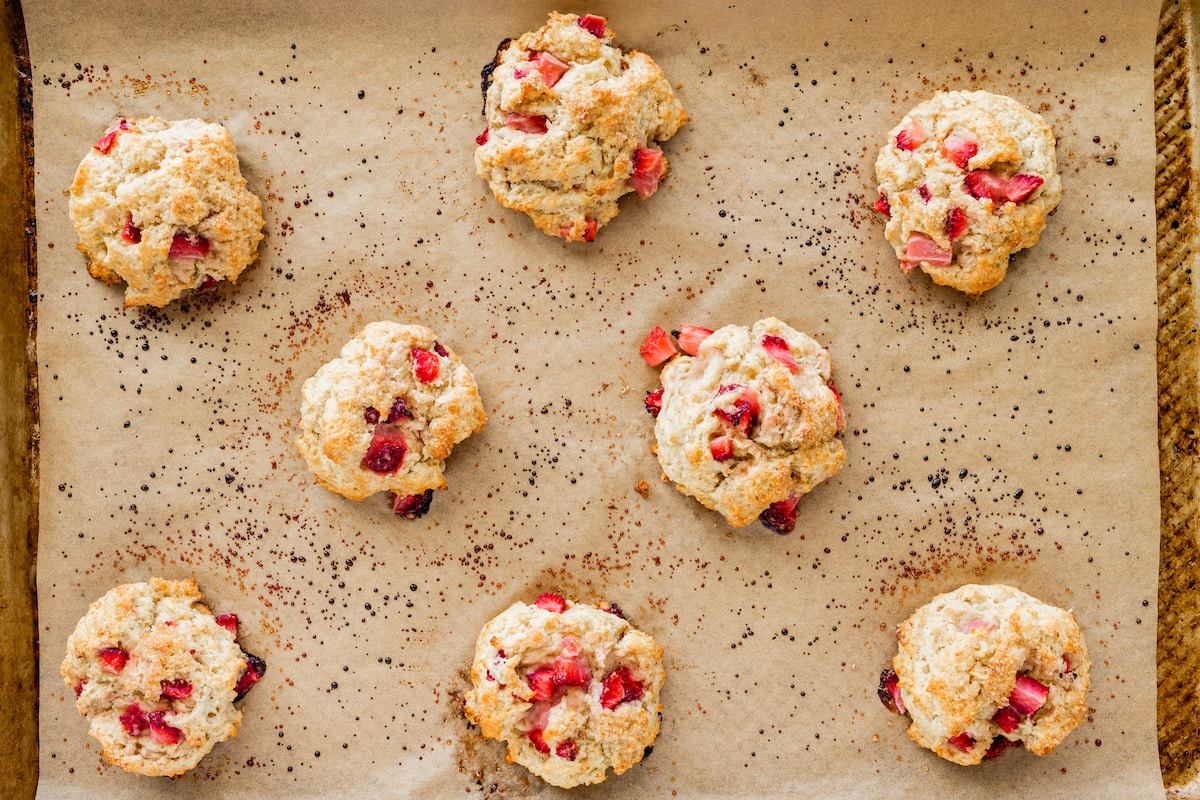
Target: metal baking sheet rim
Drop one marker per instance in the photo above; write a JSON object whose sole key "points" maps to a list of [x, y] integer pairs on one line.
{"points": [[1178, 392]]}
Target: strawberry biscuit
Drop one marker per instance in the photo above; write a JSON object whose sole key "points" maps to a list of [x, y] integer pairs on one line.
{"points": [[573, 689], [966, 180], [985, 668], [157, 675], [572, 125], [163, 206]]}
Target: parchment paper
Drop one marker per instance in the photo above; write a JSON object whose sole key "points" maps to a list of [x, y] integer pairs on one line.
{"points": [[1009, 439]]}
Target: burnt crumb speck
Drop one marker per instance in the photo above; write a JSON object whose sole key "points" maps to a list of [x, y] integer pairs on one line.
{"points": [[486, 73]]}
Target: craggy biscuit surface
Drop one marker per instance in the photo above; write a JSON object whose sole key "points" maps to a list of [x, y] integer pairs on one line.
{"points": [[967, 179], [163, 206], [572, 123], [156, 675], [983, 666], [387, 412], [572, 689], [751, 420]]}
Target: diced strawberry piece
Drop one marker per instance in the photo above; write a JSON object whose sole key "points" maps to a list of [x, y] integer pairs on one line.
{"points": [[1028, 695], [882, 205], [398, 411], [160, 731], [777, 348], [889, 692], [441, 350], [922, 248], [113, 659], [653, 402], [110, 137], [426, 365], [721, 448], [571, 672], [526, 123], [176, 690], [184, 246], [551, 68], [255, 669], [1019, 187], [612, 608], [841, 412], [908, 266], [958, 151], [519, 73], [911, 137], [619, 687], [568, 750], [977, 625], [206, 283], [690, 337], [780, 516], [923, 190], [541, 681], [131, 233], [412, 506], [229, 622], [593, 24], [551, 602], [963, 742], [371, 415], [79, 688], [981, 184], [134, 720], [743, 413], [482, 138], [590, 226], [535, 736], [647, 164], [1007, 719], [998, 747], [386, 451], [1067, 663], [658, 347], [956, 223], [569, 646]]}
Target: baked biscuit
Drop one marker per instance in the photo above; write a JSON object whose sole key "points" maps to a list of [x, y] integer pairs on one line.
{"points": [[157, 675], [385, 415], [966, 180], [572, 124], [985, 668], [163, 206], [748, 420], [573, 689]]}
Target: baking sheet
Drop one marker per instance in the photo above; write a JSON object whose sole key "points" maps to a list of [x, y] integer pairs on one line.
{"points": [[1032, 389]]}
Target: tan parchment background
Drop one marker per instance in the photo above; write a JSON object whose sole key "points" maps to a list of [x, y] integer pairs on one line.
{"points": [[1008, 439]]}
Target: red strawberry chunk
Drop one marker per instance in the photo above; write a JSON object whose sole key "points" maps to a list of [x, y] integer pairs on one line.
{"points": [[780, 516], [551, 602], [229, 622], [889, 692], [743, 413], [482, 138], [176, 689], [371, 415], [922, 248], [977, 625], [1020, 187], [653, 402], [569, 646], [255, 669], [612, 608], [956, 223], [134, 720], [999, 746], [958, 151], [1067, 663], [206, 283], [690, 337], [647, 163], [882, 205], [110, 137], [777, 348], [535, 736], [567, 749], [551, 68], [426, 365], [184, 246], [981, 184], [1007, 719], [541, 681], [593, 24], [397, 412], [841, 412], [1028, 695], [441, 350], [721, 448], [620, 687], [131, 233], [658, 347], [160, 731], [923, 190], [526, 123], [79, 688], [911, 137], [963, 742], [113, 659], [386, 451], [412, 506], [571, 672], [590, 226]]}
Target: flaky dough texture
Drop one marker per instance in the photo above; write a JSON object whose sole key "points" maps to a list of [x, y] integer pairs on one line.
{"points": [[603, 108], [791, 443], [1001, 146], [959, 661], [163, 206]]}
